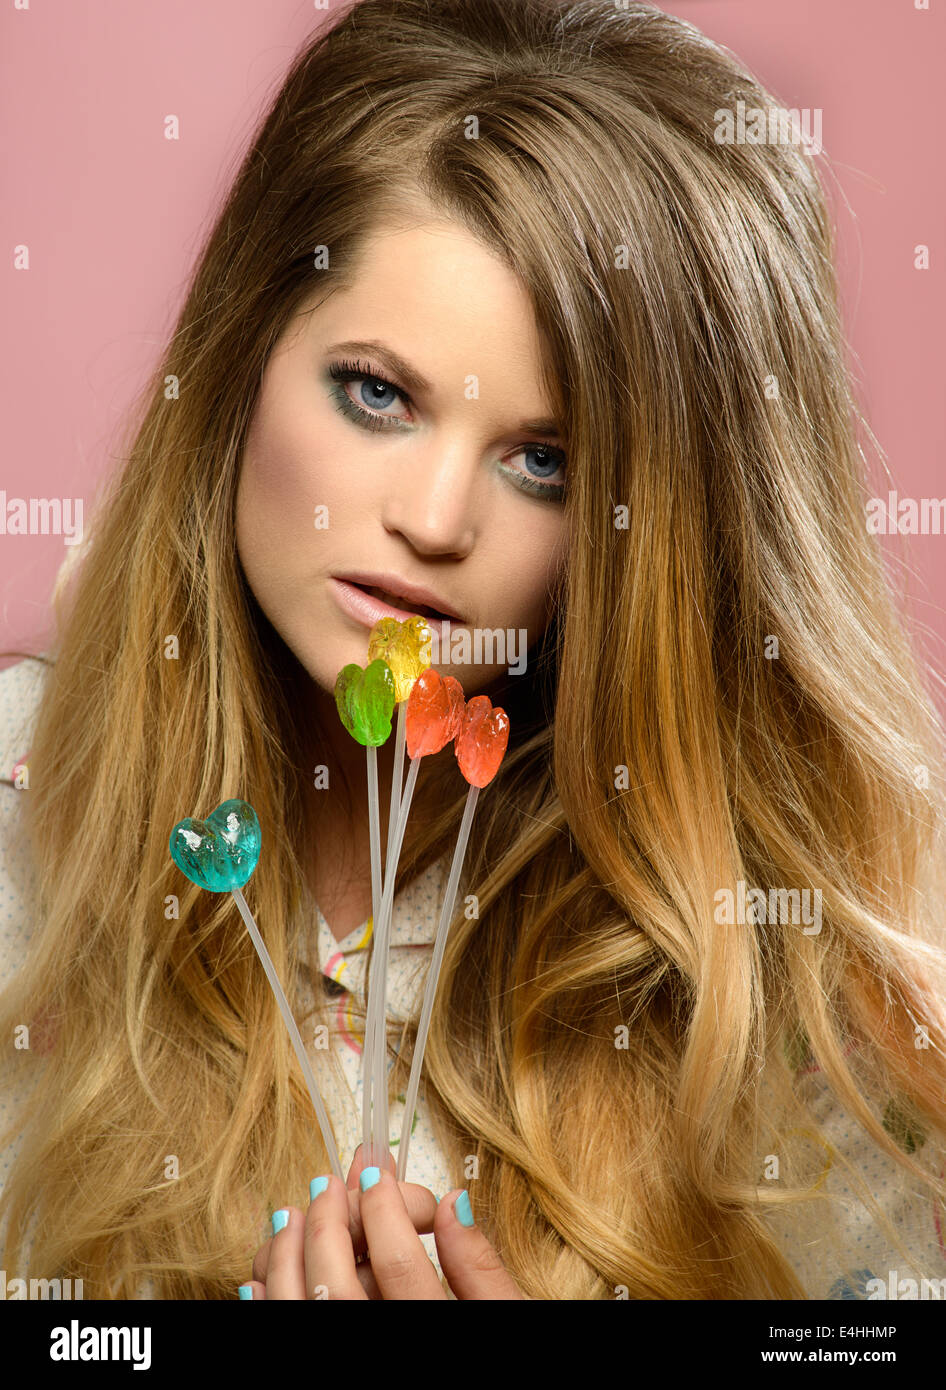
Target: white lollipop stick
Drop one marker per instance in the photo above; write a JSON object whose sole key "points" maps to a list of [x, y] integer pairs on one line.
{"points": [[440, 945], [374, 835], [397, 779], [371, 1022], [290, 1023], [379, 986]]}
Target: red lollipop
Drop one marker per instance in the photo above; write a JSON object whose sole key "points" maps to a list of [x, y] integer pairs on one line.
{"points": [[481, 742], [434, 713]]}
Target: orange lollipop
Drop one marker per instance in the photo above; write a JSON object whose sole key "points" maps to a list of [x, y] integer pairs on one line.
{"points": [[434, 713], [481, 742]]}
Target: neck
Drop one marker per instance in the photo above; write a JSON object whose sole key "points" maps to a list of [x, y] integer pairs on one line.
{"points": [[337, 847]]}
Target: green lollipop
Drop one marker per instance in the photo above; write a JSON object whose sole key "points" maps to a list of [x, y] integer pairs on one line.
{"points": [[365, 700]]}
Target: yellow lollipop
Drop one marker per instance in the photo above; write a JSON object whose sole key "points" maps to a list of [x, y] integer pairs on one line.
{"points": [[405, 647]]}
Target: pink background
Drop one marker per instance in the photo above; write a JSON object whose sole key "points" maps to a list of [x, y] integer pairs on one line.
{"points": [[113, 214]]}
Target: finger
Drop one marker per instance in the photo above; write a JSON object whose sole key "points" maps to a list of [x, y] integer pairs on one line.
{"points": [[399, 1262], [261, 1262], [368, 1282], [329, 1259], [363, 1269], [255, 1291], [285, 1274], [472, 1267], [362, 1160], [421, 1207], [420, 1201]]}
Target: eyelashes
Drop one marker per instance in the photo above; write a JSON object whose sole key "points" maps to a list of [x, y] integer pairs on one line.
{"points": [[341, 372], [347, 371]]}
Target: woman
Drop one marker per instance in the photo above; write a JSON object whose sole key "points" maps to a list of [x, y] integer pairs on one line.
{"points": [[646, 1091]]}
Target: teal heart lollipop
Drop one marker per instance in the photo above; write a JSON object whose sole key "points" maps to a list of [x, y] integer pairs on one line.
{"points": [[365, 701], [221, 852]]}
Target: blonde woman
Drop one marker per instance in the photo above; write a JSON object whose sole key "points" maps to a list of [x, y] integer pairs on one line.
{"points": [[487, 330]]}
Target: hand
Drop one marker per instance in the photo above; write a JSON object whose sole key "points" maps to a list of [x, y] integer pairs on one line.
{"points": [[313, 1256]]}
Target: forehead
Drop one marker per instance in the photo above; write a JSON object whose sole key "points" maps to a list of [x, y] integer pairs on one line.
{"points": [[445, 304]]}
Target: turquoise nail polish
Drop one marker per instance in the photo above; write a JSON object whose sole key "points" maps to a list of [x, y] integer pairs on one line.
{"points": [[316, 1187], [280, 1219], [245, 1291], [437, 1199], [369, 1176], [463, 1210]]}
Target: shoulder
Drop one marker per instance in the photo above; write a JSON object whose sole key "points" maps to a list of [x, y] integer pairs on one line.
{"points": [[21, 689]]}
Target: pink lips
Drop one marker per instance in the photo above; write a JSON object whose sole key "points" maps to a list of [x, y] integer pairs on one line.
{"points": [[367, 609], [398, 591]]}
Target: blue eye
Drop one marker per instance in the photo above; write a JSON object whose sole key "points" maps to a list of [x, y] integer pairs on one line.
{"points": [[374, 390], [377, 393], [548, 462]]}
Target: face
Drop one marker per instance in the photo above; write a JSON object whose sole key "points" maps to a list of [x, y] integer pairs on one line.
{"points": [[393, 465]]}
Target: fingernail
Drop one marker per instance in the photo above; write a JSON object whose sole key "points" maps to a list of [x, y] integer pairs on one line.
{"points": [[369, 1176], [246, 1291], [462, 1209], [280, 1219], [316, 1187], [437, 1199]]}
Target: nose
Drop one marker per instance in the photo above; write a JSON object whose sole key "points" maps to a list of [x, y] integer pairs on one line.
{"points": [[431, 501]]}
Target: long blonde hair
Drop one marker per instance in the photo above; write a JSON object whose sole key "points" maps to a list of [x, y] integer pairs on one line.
{"points": [[726, 694]]}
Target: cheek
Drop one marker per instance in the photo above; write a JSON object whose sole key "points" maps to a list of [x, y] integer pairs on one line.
{"points": [[277, 467], [526, 569], [274, 512], [294, 461]]}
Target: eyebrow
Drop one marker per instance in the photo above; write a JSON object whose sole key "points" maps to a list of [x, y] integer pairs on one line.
{"points": [[418, 383]]}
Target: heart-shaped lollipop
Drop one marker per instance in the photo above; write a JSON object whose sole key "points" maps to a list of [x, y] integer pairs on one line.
{"points": [[365, 701], [481, 742], [404, 646], [221, 852], [434, 713], [480, 745]]}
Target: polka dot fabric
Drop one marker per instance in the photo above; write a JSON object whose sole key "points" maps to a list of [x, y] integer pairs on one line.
{"points": [[846, 1259]]}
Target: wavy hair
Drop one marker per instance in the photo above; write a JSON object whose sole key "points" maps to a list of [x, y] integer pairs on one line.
{"points": [[727, 694]]}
